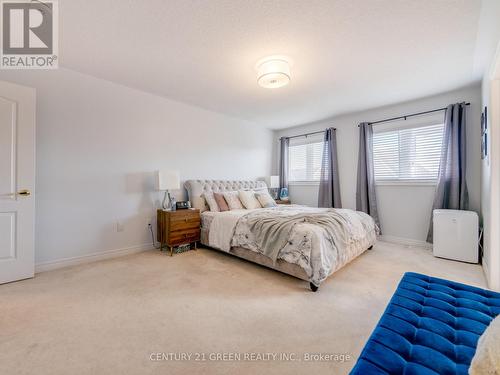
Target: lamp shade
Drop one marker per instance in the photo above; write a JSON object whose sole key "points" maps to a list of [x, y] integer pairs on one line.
{"points": [[273, 72], [274, 182], [167, 180]]}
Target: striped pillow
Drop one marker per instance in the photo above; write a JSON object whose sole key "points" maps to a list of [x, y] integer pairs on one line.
{"points": [[247, 197], [232, 199], [266, 200], [210, 199], [221, 202]]}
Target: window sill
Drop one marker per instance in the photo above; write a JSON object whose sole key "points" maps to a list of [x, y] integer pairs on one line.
{"points": [[303, 183], [406, 183]]}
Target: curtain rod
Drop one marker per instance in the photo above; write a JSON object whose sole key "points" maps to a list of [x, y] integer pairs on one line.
{"points": [[306, 134], [410, 115]]}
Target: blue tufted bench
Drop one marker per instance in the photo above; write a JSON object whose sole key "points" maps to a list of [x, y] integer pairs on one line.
{"points": [[431, 326]]}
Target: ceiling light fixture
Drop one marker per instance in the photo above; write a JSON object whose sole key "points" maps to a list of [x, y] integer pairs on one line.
{"points": [[273, 72]]}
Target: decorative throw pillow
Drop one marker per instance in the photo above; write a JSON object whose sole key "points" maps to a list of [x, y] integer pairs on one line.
{"points": [[266, 200], [232, 200], [247, 197], [221, 202], [210, 199], [260, 190], [487, 357]]}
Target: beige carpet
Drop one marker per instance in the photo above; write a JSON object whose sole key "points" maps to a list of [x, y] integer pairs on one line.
{"points": [[108, 317]]}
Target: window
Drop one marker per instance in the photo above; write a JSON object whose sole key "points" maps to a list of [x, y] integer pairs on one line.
{"points": [[304, 158], [408, 155]]}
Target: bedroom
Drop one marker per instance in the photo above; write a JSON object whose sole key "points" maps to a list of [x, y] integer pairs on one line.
{"points": [[95, 131]]}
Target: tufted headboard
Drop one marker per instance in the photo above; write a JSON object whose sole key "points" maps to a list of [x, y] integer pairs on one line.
{"points": [[196, 188]]}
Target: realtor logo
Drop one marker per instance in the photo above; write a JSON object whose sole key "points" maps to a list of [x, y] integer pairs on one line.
{"points": [[29, 34]]}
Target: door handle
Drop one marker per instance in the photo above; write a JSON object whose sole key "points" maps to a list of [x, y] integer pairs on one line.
{"points": [[24, 193]]}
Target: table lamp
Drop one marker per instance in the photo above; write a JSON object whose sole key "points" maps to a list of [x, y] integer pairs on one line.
{"points": [[165, 181], [274, 184]]}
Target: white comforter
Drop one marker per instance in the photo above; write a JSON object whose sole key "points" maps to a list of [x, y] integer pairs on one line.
{"points": [[309, 246], [222, 228]]}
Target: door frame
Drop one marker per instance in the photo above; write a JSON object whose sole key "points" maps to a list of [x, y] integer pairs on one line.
{"points": [[25, 178], [492, 218]]}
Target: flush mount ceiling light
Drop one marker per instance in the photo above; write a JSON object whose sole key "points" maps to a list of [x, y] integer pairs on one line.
{"points": [[273, 72]]}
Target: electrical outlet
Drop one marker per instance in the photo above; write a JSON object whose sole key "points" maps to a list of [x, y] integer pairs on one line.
{"points": [[149, 221], [120, 227]]}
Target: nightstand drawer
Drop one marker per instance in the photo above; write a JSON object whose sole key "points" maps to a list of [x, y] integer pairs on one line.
{"points": [[184, 236], [279, 201], [185, 224], [182, 215]]}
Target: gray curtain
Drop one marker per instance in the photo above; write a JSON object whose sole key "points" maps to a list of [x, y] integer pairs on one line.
{"points": [[451, 190], [366, 199], [284, 144], [329, 185]]}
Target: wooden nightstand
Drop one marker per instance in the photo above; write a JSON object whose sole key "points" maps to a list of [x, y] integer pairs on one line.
{"points": [[178, 227], [279, 201]]}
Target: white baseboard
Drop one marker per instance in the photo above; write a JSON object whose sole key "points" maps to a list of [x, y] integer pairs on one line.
{"points": [[486, 272], [406, 241], [88, 258]]}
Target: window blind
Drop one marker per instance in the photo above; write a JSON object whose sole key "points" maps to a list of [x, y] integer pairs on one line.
{"points": [[304, 158], [410, 154]]}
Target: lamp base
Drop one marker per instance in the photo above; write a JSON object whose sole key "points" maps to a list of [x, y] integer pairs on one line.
{"points": [[274, 193], [166, 201]]}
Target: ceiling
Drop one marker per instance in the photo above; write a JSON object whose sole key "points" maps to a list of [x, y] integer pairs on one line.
{"points": [[347, 55]]}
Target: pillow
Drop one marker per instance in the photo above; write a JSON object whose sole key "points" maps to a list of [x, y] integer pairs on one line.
{"points": [[266, 200], [221, 202], [247, 197], [260, 190], [487, 357], [199, 201], [210, 199], [232, 200]]}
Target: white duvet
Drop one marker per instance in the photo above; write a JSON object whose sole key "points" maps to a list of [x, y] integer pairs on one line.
{"points": [[222, 228], [308, 247]]}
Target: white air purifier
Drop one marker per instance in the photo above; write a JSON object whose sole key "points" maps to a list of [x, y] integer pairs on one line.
{"points": [[456, 235]]}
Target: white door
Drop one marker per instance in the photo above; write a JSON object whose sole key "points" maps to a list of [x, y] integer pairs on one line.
{"points": [[17, 182]]}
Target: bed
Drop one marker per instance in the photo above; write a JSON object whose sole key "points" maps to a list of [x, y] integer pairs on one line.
{"points": [[315, 242]]}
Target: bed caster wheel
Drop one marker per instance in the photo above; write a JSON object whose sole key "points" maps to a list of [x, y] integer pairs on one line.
{"points": [[371, 247], [313, 287]]}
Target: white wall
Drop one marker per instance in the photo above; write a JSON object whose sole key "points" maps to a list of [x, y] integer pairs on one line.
{"points": [[489, 44], [404, 210], [98, 145], [490, 202]]}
